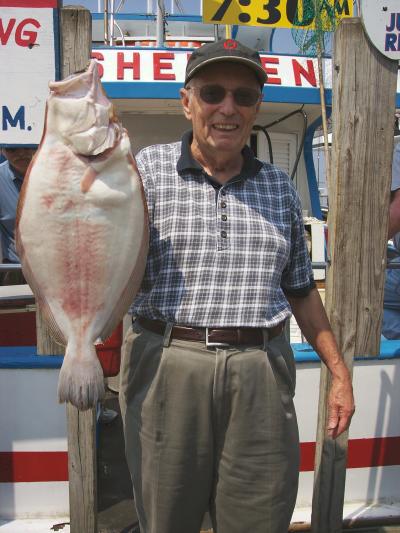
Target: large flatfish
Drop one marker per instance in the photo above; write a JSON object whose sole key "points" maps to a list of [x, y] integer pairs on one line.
{"points": [[82, 228]]}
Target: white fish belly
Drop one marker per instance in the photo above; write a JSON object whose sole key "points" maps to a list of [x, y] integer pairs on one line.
{"points": [[80, 249], [81, 246]]}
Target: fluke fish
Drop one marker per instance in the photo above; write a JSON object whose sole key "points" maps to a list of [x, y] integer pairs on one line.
{"points": [[82, 228]]}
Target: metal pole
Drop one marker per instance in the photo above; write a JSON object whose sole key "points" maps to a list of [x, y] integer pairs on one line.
{"points": [[160, 23], [149, 6], [111, 22], [105, 21]]}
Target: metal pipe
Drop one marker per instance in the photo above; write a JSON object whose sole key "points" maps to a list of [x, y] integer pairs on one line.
{"points": [[10, 267], [121, 33], [160, 23], [111, 22], [105, 21], [353, 523]]}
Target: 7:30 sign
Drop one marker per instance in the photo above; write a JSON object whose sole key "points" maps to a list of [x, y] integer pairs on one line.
{"points": [[273, 13]]}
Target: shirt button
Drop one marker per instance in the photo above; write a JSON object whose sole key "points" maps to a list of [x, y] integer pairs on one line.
{"points": [[223, 205], [224, 218], [223, 192], [223, 234]]}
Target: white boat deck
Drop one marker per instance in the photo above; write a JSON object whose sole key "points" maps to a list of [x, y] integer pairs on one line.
{"points": [[39, 525], [354, 512]]}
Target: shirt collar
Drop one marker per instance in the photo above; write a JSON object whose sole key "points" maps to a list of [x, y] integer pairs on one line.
{"points": [[16, 175], [186, 161]]}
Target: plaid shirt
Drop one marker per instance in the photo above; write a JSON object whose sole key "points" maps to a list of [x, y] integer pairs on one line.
{"points": [[221, 256]]}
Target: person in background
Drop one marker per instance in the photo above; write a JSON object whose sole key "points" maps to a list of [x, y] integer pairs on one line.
{"points": [[12, 173], [391, 298], [207, 375]]}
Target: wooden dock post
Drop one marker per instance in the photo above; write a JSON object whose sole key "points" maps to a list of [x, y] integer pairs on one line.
{"points": [[76, 44], [364, 90]]}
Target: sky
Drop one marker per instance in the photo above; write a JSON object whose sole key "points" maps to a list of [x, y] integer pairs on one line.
{"points": [[190, 7], [282, 37]]}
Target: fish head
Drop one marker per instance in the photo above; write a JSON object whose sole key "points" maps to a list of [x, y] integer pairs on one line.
{"points": [[79, 112]]}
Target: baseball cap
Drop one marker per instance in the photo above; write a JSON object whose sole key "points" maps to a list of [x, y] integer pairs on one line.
{"points": [[225, 50]]}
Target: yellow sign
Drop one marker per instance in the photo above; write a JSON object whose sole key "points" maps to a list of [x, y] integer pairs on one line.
{"points": [[275, 13]]}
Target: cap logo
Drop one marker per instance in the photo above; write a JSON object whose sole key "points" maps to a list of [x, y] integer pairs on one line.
{"points": [[230, 44]]}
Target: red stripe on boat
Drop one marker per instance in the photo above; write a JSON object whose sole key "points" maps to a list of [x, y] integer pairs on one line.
{"points": [[30, 4], [16, 467], [362, 453]]}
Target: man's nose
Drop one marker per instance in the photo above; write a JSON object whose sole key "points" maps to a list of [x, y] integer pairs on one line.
{"points": [[228, 105]]}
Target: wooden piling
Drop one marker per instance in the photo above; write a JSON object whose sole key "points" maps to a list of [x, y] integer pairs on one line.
{"points": [[364, 90], [76, 44]]}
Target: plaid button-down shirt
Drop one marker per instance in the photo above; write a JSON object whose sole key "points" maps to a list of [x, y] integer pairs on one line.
{"points": [[221, 256]]}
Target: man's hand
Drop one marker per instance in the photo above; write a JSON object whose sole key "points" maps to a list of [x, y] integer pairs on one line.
{"points": [[340, 405], [311, 317]]}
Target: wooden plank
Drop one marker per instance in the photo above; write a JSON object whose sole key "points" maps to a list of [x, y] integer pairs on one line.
{"points": [[76, 42], [364, 90], [82, 470], [76, 39]]}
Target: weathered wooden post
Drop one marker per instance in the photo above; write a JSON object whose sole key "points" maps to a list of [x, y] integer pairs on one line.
{"points": [[76, 43], [364, 89], [45, 345]]}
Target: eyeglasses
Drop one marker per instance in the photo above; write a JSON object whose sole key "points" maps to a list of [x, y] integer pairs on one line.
{"points": [[215, 94]]}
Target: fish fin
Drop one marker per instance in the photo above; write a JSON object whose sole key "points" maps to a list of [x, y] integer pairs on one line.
{"points": [[51, 323], [81, 380], [88, 179], [55, 331], [131, 288]]}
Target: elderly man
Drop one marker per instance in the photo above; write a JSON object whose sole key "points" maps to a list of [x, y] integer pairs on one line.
{"points": [[208, 378], [12, 172]]}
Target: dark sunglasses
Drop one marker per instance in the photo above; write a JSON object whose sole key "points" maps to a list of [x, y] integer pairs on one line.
{"points": [[215, 94]]}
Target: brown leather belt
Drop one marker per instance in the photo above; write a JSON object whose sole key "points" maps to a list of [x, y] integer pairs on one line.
{"points": [[214, 336]]}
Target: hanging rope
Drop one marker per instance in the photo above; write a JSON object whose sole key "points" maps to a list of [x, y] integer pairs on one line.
{"points": [[315, 42]]}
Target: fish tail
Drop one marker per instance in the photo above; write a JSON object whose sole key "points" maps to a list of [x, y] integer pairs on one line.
{"points": [[81, 380]]}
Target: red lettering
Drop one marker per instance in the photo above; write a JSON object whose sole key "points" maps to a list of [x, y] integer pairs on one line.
{"points": [[270, 70], [24, 37], [309, 73], [159, 65], [134, 65], [5, 35], [100, 57]]}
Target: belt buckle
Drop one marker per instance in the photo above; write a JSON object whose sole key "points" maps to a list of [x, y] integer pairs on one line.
{"points": [[215, 344]]}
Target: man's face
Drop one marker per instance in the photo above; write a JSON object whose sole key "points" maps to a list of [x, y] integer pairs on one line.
{"points": [[223, 127], [19, 158]]}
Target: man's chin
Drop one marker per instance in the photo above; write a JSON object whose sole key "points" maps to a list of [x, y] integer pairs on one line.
{"points": [[228, 147]]}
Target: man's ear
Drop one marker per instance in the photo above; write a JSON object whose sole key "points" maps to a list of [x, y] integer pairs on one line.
{"points": [[259, 102], [184, 94]]}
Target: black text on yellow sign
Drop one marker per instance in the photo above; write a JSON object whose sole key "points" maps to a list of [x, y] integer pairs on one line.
{"points": [[275, 13]]}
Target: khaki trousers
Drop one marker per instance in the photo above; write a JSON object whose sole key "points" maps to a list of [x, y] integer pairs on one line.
{"points": [[210, 430]]}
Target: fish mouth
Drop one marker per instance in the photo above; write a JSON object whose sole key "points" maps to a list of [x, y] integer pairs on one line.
{"points": [[85, 116], [83, 85], [75, 84]]}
